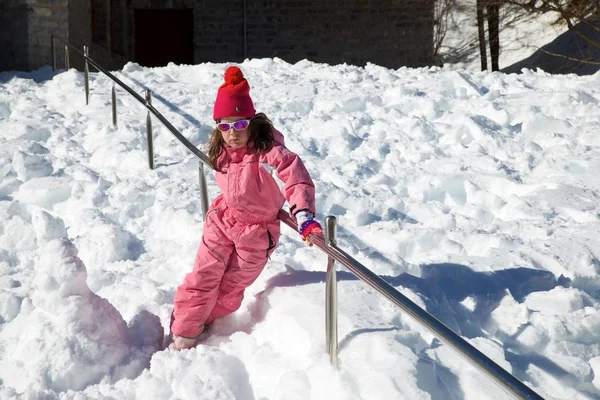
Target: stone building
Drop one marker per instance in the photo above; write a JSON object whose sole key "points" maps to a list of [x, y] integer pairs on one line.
{"points": [[25, 29], [391, 33]]}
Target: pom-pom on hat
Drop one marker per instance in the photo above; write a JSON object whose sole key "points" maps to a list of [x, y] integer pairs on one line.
{"points": [[233, 97]]}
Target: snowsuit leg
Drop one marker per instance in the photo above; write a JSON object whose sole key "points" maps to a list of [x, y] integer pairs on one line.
{"points": [[253, 248], [196, 296], [222, 271]]}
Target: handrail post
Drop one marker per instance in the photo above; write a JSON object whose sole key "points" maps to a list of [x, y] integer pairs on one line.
{"points": [[113, 97], [86, 71], [53, 49], [67, 63], [331, 325], [149, 131], [203, 190]]}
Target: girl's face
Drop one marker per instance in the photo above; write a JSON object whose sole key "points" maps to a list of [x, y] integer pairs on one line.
{"points": [[233, 137]]}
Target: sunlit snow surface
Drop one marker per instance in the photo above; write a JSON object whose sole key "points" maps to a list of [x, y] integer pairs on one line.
{"points": [[476, 195]]}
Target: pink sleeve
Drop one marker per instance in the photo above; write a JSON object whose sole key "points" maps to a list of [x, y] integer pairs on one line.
{"points": [[298, 188]]}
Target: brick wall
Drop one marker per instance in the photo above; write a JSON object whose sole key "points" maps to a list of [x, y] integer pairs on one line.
{"points": [[46, 17], [390, 33], [80, 33], [13, 36], [26, 29]]}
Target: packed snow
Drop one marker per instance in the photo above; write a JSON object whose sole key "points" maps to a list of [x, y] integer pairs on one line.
{"points": [[474, 194]]}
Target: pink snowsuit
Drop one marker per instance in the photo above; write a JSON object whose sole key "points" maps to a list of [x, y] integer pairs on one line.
{"points": [[241, 231]]}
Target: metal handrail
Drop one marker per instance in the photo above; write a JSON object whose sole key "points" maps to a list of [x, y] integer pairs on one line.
{"points": [[475, 357], [328, 244], [203, 157]]}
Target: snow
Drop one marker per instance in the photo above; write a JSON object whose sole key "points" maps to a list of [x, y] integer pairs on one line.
{"points": [[474, 194]]}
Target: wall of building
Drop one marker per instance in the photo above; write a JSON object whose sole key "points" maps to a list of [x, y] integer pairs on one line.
{"points": [[79, 28], [13, 36], [391, 34], [26, 29], [46, 18], [80, 34]]}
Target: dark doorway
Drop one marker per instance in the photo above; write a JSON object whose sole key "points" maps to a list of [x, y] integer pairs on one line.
{"points": [[163, 36]]}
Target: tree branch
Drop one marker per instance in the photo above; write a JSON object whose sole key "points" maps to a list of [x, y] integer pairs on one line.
{"points": [[579, 60]]}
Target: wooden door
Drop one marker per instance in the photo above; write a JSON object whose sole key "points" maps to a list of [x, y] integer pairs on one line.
{"points": [[162, 36]]}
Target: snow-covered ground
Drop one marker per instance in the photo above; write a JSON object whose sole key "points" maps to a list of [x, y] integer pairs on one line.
{"points": [[474, 194]]}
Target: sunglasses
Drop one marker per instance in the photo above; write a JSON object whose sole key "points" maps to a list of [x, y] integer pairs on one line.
{"points": [[237, 125]]}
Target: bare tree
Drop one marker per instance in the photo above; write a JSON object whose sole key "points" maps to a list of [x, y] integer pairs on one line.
{"points": [[481, 33], [571, 11], [493, 16], [491, 9], [582, 18]]}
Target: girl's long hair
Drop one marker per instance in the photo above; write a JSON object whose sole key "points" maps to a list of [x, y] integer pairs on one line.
{"points": [[260, 139]]}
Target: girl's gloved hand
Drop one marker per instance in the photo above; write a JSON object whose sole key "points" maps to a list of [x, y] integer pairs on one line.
{"points": [[307, 225]]}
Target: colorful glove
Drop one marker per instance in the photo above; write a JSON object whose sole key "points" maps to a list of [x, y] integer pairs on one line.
{"points": [[307, 225]]}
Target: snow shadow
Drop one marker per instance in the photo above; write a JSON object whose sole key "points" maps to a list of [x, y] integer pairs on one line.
{"points": [[568, 53], [78, 337], [452, 282], [172, 107], [457, 282], [38, 76], [520, 362], [443, 287]]}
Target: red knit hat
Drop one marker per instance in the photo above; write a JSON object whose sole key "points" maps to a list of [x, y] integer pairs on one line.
{"points": [[233, 97]]}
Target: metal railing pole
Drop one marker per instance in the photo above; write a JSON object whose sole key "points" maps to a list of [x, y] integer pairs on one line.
{"points": [[498, 374], [86, 71], [189, 145], [203, 190], [53, 49], [67, 63], [331, 326], [479, 360], [113, 97], [149, 131]]}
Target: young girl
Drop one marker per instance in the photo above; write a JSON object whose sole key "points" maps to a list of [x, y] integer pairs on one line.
{"points": [[241, 229]]}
